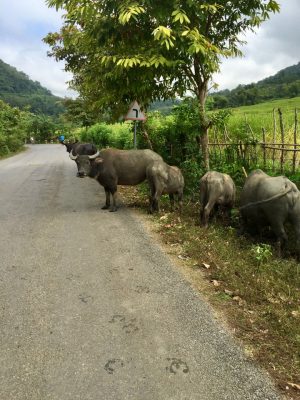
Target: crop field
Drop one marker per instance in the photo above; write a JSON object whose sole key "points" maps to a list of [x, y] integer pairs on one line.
{"points": [[264, 115], [265, 135]]}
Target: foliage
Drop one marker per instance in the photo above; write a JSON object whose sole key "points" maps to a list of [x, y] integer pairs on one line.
{"points": [[123, 50], [164, 107], [117, 135], [78, 114], [261, 252], [13, 127], [42, 128], [19, 91]]}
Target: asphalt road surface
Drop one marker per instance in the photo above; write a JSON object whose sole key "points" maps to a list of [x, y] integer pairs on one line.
{"points": [[91, 308]]}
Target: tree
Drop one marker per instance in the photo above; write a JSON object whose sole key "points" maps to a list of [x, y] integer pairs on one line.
{"points": [[77, 112], [152, 49]]}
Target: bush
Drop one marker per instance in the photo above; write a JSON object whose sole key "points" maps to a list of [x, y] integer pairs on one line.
{"points": [[117, 135], [13, 123]]}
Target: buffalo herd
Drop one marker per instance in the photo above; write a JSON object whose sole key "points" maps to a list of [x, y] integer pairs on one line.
{"points": [[264, 200]]}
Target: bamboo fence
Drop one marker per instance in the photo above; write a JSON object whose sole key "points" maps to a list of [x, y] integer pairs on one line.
{"points": [[277, 155]]}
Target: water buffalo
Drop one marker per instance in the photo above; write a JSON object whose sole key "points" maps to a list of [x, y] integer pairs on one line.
{"points": [[271, 201], [164, 179], [80, 148], [112, 167], [216, 190]]}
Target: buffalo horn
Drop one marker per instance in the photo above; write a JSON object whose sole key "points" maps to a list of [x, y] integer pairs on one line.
{"points": [[71, 156], [92, 157]]}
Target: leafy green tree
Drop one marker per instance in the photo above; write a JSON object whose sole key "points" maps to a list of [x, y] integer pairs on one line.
{"points": [[42, 128], [147, 49], [78, 112], [14, 125]]}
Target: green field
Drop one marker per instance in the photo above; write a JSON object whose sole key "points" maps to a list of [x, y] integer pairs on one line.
{"points": [[287, 105], [248, 121]]}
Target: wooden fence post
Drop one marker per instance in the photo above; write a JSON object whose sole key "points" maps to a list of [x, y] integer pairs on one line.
{"points": [[282, 139], [295, 141], [274, 138], [264, 145]]}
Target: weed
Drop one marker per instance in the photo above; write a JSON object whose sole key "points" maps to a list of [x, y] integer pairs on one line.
{"points": [[262, 252]]}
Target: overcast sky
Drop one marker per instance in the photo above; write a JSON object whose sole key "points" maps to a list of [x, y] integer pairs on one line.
{"points": [[23, 24]]}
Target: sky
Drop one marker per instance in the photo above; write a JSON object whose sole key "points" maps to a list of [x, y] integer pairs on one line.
{"points": [[23, 24]]}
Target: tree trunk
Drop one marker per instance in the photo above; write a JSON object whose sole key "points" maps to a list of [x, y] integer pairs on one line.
{"points": [[146, 136], [204, 126], [204, 147]]}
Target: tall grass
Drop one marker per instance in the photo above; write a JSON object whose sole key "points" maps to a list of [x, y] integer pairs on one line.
{"points": [[261, 116]]}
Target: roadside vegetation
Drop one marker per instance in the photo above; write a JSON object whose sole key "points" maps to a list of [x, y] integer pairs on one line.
{"points": [[17, 126]]}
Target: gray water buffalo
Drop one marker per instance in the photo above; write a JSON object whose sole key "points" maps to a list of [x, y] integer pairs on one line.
{"points": [[112, 167], [216, 190], [271, 201], [164, 179]]}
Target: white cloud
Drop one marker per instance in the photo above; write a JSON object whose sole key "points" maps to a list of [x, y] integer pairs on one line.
{"points": [[22, 45], [274, 47]]}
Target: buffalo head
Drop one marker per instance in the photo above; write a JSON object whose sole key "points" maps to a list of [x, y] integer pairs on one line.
{"points": [[84, 163]]}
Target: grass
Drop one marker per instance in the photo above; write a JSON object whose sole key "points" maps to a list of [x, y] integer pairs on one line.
{"points": [[258, 293], [13, 153], [249, 120], [287, 105], [246, 125]]}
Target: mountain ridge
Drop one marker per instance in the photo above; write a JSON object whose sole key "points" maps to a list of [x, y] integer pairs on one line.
{"points": [[18, 90], [284, 84]]}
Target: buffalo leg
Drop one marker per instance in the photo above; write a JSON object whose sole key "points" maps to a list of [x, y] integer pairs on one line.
{"points": [[156, 198], [114, 198], [180, 201], [296, 226], [151, 198], [107, 199], [207, 210], [171, 197], [281, 236], [203, 200]]}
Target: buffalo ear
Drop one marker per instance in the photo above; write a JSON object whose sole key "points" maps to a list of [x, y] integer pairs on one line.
{"points": [[99, 160]]}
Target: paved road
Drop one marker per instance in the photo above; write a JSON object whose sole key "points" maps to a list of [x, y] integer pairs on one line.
{"points": [[90, 307]]}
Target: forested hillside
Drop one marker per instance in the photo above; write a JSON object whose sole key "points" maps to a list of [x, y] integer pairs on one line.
{"points": [[284, 84], [18, 90]]}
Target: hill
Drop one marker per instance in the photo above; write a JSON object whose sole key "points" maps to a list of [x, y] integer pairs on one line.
{"points": [[18, 90], [284, 84]]}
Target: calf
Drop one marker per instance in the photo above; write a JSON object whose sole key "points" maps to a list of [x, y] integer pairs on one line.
{"points": [[164, 179], [216, 190]]}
